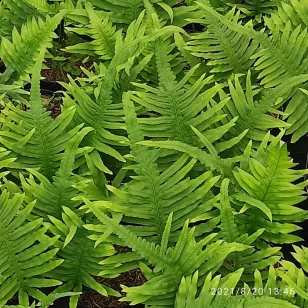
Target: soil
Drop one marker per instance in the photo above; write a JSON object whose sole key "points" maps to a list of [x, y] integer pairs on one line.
{"points": [[92, 299], [54, 105], [54, 75]]}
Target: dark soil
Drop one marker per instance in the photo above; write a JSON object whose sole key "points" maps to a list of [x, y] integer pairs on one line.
{"points": [[53, 105], [133, 278], [92, 299], [54, 75]]}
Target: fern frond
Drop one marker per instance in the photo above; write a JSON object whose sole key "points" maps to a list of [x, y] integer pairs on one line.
{"points": [[225, 50], [35, 138], [103, 113], [103, 34], [52, 195], [81, 262], [294, 11], [151, 196], [124, 12], [14, 13], [26, 254], [253, 106], [177, 104], [276, 58], [220, 292], [172, 263], [20, 54], [296, 115], [268, 183], [250, 259]]}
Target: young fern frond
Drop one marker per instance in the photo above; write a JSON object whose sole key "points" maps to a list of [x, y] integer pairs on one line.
{"points": [[26, 252]]}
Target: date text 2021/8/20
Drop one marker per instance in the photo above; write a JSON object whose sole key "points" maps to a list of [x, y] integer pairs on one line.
{"points": [[252, 291]]}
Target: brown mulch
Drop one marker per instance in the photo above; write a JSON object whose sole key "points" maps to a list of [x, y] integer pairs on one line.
{"points": [[92, 299], [133, 278], [54, 106], [54, 75]]}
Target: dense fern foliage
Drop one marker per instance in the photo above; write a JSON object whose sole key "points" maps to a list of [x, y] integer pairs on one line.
{"points": [[167, 154]]}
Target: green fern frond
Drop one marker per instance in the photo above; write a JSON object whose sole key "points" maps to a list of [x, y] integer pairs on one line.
{"points": [[103, 113], [225, 50], [268, 183], [35, 138], [220, 292], [14, 13], [52, 195], [177, 104], [152, 195], [124, 12], [254, 108], [251, 259], [26, 254], [183, 259], [20, 54], [81, 262], [103, 33], [296, 115], [276, 60], [294, 11]]}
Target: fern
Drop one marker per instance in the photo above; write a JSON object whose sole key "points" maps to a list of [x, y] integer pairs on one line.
{"points": [[149, 199], [267, 180], [52, 195], [188, 289], [225, 50], [175, 262], [26, 254], [254, 108], [32, 134], [258, 258], [124, 12], [102, 113], [276, 61], [164, 145], [103, 33], [20, 54], [81, 261], [293, 11]]}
